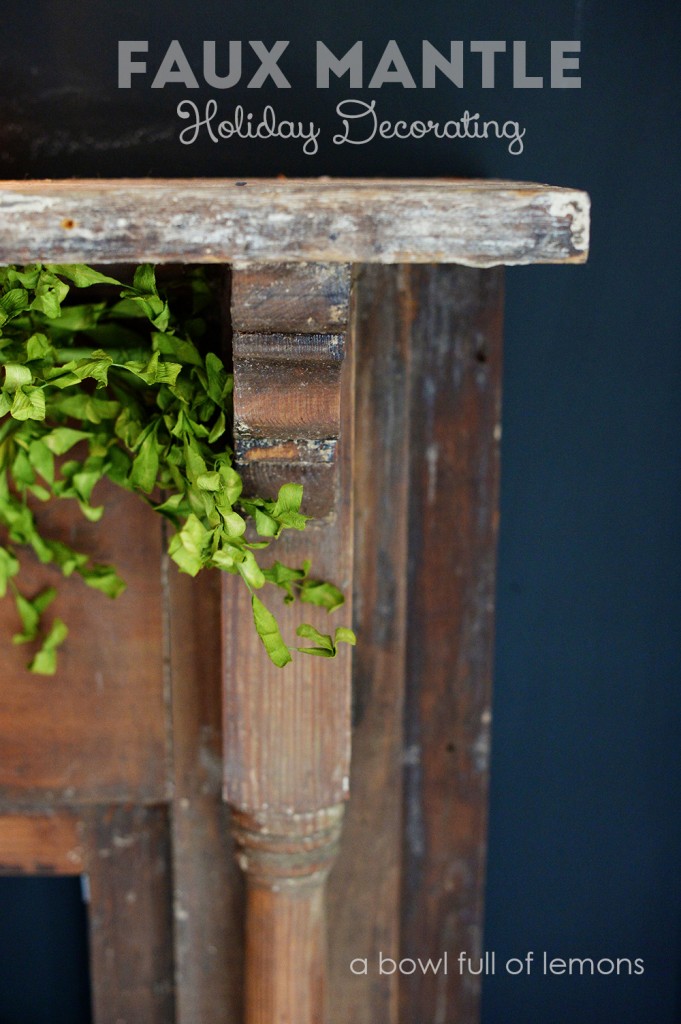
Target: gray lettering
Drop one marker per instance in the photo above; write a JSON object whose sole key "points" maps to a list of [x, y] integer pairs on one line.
{"points": [[268, 67], [350, 62], [434, 60], [488, 48], [128, 67]]}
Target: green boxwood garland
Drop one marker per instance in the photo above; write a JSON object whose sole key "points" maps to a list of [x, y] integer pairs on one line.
{"points": [[128, 387]]}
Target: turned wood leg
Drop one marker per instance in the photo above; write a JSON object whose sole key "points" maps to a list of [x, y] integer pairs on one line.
{"points": [[287, 731]]}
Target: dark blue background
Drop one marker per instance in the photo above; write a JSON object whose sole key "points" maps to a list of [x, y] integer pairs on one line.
{"points": [[585, 829]]}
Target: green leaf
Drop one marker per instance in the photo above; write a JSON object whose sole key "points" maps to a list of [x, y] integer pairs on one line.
{"points": [[97, 367], [322, 594], [17, 376], [154, 372], [218, 429], [45, 661], [251, 571], [286, 507], [281, 574], [326, 646], [217, 377], [146, 463], [343, 635], [30, 612], [265, 524], [268, 631], [179, 348], [28, 404], [188, 546], [103, 578], [288, 499], [13, 302], [234, 524], [322, 640], [144, 280], [37, 347], [62, 439], [81, 275], [9, 567], [209, 481]]}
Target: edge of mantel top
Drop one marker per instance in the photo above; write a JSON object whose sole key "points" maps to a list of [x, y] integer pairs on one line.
{"points": [[477, 223]]}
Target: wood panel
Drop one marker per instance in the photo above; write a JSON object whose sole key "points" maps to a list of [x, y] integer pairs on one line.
{"points": [[95, 731], [50, 843], [131, 940], [364, 887], [208, 886], [478, 223], [454, 466]]}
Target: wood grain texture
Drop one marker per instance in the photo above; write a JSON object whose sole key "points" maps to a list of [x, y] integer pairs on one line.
{"points": [[454, 466], [207, 884], [477, 223], [96, 731], [287, 385], [287, 731], [286, 865], [364, 886], [302, 297], [49, 843], [131, 941]]}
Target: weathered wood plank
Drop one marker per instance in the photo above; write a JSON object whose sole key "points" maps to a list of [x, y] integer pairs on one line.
{"points": [[364, 887], [95, 732], [207, 883], [477, 223], [456, 356], [49, 843], [131, 940]]}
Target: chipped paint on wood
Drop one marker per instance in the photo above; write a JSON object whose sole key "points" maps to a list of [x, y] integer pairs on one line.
{"points": [[475, 223]]}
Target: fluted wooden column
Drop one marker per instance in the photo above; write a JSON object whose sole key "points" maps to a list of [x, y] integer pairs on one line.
{"points": [[287, 731]]}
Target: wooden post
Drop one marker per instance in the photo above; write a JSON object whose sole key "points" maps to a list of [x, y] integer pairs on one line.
{"points": [[287, 731]]}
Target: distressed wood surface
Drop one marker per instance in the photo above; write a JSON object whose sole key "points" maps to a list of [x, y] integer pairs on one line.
{"points": [[207, 884], [96, 731], [477, 223], [131, 939], [453, 509], [307, 297], [49, 843], [287, 731], [364, 887]]}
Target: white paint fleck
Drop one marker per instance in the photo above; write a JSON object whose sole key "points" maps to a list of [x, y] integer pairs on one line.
{"points": [[432, 454], [411, 755], [564, 205], [123, 842]]}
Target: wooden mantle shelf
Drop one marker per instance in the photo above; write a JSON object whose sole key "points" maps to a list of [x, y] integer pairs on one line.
{"points": [[358, 377], [474, 223]]}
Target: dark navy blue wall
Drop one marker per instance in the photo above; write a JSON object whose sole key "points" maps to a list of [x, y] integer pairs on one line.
{"points": [[585, 829]]}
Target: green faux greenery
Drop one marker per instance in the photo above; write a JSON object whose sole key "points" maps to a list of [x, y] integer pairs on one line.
{"points": [[128, 387]]}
